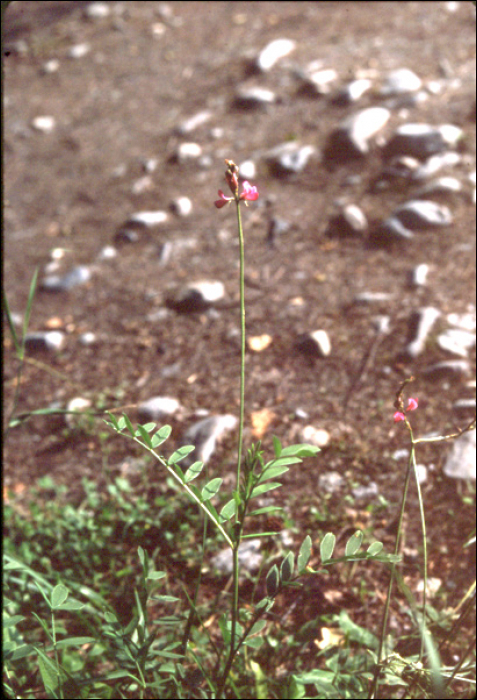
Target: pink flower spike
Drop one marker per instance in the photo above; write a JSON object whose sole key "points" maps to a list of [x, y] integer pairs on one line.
{"points": [[219, 203], [411, 405], [249, 192], [399, 416]]}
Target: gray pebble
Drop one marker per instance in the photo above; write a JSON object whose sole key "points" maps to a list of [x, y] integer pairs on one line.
{"points": [[330, 482], [366, 492], [391, 231], [181, 206], [188, 151], [465, 408], [157, 408], [196, 296], [461, 461], [422, 140], [420, 325], [440, 187], [194, 122], [315, 344], [319, 82], [350, 221], [45, 340], [249, 557], [148, 219], [254, 98], [288, 158], [273, 52], [456, 341], [420, 214], [400, 81], [353, 91], [353, 136], [204, 436], [435, 163], [97, 10], [276, 228], [449, 369], [418, 276], [364, 298], [77, 276]]}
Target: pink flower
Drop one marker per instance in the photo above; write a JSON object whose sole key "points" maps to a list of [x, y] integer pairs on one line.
{"points": [[219, 203], [249, 193], [411, 406]]}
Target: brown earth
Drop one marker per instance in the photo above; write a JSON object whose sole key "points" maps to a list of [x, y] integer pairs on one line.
{"points": [[118, 106]]}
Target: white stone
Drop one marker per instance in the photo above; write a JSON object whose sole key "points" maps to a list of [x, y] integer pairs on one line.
{"points": [[181, 206], [194, 122], [97, 10], [364, 125], [401, 81], [461, 461], [273, 52], [79, 50], [315, 436], [188, 151], [148, 218], [157, 408], [45, 123], [322, 341], [456, 341]]}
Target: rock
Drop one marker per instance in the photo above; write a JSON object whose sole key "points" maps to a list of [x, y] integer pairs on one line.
{"points": [[157, 408], [353, 91], [449, 369], [466, 322], [79, 50], [253, 98], [319, 82], [45, 124], [465, 408], [400, 81], [315, 436], [194, 122], [365, 492], [288, 158], [456, 341], [249, 557], [461, 462], [45, 340], [330, 482], [364, 298], [420, 214], [422, 140], [247, 170], [273, 52], [196, 296], [353, 136], [88, 338], [435, 163], [107, 253], [418, 276], [77, 406], [51, 66], [351, 221], [148, 219], [97, 10], [276, 228], [420, 325], [391, 231], [181, 206], [188, 151], [259, 343], [440, 187], [204, 436], [77, 276], [315, 344]]}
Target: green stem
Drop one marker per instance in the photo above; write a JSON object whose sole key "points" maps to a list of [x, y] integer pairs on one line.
{"points": [[242, 343]]}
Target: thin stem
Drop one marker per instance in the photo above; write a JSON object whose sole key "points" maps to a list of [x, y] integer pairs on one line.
{"points": [[242, 343], [374, 688]]}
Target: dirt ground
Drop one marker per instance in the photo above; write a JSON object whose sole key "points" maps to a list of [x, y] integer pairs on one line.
{"points": [[116, 109]]}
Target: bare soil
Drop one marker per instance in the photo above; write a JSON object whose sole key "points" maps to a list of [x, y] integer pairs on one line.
{"points": [[119, 106]]}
